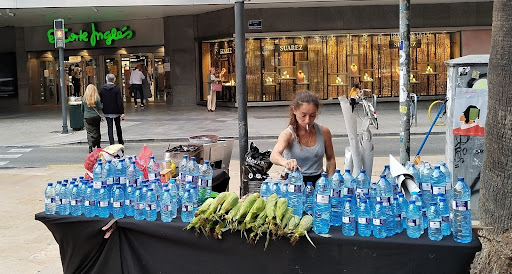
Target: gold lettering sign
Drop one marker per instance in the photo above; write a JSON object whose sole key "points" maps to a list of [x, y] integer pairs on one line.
{"points": [[285, 48]]}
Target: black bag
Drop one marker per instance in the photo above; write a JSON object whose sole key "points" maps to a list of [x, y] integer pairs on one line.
{"points": [[257, 164]]}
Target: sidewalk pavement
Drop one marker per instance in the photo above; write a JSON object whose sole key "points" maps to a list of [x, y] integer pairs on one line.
{"points": [[42, 125]]}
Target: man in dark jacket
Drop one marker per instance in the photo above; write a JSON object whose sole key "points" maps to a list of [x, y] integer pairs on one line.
{"points": [[113, 108]]}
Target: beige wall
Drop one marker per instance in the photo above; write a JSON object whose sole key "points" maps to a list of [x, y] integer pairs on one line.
{"points": [[476, 41]]}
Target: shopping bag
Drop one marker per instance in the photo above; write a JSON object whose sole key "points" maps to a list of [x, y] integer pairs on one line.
{"points": [[217, 87]]}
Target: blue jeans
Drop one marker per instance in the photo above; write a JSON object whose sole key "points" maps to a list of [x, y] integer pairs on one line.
{"points": [[138, 93]]}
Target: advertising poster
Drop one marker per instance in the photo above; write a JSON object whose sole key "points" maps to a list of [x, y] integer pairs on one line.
{"points": [[470, 111]]}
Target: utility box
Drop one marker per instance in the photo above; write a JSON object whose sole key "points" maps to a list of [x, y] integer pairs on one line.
{"points": [[467, 111]]}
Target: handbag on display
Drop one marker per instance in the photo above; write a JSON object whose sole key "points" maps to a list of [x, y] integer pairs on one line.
{"points": [[217, 87]]}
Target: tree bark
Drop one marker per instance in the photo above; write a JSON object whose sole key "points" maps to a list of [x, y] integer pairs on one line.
{"points": [[495, 203]]}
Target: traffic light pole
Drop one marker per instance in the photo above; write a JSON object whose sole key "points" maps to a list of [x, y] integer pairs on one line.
{"points": [[63, 99], [404, 82]]}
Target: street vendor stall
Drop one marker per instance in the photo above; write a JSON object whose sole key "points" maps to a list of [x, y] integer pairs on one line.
{"points": [[157, 247]]}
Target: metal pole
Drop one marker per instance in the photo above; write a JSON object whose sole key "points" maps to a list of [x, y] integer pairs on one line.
{"points": [[63, 99], [405, 70], [241, 84]]}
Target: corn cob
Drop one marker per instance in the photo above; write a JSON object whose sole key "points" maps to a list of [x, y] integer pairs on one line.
{"points": [[215, 204], [281, 207], [231, 201], [204, 207], [260, 220], [256, 209], [270, 207], [246, 206], [232, 213], [286, 218], [218, 230], [292, 224], [306, 223]]}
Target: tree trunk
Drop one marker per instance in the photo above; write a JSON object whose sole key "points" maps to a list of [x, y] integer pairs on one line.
{"points": [[496, 190]]}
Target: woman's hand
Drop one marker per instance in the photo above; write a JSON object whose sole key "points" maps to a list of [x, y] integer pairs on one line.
{"points": [[292, 165], [122, 116]]}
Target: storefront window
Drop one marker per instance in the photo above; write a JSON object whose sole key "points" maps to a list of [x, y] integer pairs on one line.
{"points": [[329, 65]]}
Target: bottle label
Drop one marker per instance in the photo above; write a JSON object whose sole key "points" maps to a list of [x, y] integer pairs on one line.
{"points": [[64, 201], [336, 193], [413, 222], [117, 204], [57, 200], [434, 224], [110, 181], [210, 182], [424, 213], [377, 221], [203, 182], [426, 186], [132, 181], [348, 219], [403, 215], [166, 208], [122, 180], [348, 191], [49, 200], [438, 189], [294, 188], [448, 185], [75, 202], [187, 207], [385, 200], [103, 203], [139, 206], [398, 217], [150, 206], [117, 179], [151, 176], [183, 177], [322, 199], [97, 184], [445, 219], [195, 179], [461, 205], [89, 203], [361, 191], [188, 178], [128, 202], [363, 220]]}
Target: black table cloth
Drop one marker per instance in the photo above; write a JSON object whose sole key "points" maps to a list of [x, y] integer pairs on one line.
{"points": [[157, 247]]}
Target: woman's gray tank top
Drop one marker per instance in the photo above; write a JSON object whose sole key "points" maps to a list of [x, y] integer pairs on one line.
{"points": [[309, 159]]}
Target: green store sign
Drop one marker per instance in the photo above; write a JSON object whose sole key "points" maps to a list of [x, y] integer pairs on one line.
{"points": [[94, 36]]}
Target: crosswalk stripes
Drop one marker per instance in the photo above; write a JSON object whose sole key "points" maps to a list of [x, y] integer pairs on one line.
{"points": [[10, 156], [3, 163], [13, 156], [18, 150]]}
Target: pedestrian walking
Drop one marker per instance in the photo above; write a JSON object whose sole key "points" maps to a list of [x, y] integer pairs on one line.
{"points": [[146, 84], [136, 78], [92, 109], [113, 108]]}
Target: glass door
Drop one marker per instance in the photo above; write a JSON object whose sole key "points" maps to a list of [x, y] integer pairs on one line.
{"points": [[47, 73]]}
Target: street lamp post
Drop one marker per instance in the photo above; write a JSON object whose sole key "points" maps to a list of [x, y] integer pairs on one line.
{"points": [[60, 43]]}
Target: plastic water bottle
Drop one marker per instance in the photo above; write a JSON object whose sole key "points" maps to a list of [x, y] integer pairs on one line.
{"points": [[426, 185], [444, 210], [140, 204], [173, 190], [349, 183], [150, 205], [166, 210], [390, 178], [193, 171], [58, 187], [309, 198], [462, 232], [283, 184], [434, 223], [205, 182], [195, 197], [64, 197], [348, 226], [131, 175], [449, 185], [337, 205], [414, 227], [108, 173], [76, 201], [403, 207], [265, 190], [362, 185], [322, 207], [364, 220], [183, 174], [104, 202], [419, 203], [50, 205], [397, 212], [337, 179], [413, 170], [121, 173], [423, 210], [151, 169], [98, 177], [295, 192], [379, 221], [384, 192], [129, 200], [187, 207], [373, 195], [438, 181], [155, 184], [118, 205], [90, 205]]}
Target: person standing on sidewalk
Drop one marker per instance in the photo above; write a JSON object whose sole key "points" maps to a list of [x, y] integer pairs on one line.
{"points": [[212, 94], [91, 108], [136, 78], [113, 108], [303, 144]]}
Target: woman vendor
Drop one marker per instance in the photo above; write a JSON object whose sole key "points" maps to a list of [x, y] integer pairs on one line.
{"points": [[303, 144]]}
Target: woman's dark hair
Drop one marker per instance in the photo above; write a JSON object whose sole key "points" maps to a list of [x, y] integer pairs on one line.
{"points": [[302, 97]]}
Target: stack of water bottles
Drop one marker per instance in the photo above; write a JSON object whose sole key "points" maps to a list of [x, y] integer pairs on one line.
{"points": [[380, 208], [119, 188]]}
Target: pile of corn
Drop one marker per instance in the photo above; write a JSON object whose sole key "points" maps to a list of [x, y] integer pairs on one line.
{"points": [[250, 214]]}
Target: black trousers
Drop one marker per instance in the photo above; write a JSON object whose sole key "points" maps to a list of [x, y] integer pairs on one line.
{"points": [[138, 93], [92, 126], [119, 131]]}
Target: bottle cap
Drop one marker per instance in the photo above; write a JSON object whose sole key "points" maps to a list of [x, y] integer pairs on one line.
{"points": [[336, 171], [400, 194], [206, 162], [64, 184], [50, 184], [437, 167], [411, 202], [414, 193], [460, 179], [383, 176], [386, 166], [324, 174], [433, 203], [362, 171], [59, 182], [150, 189], [347, 170], [442, 199], [103, 186], [89, 186], [309, 183]]}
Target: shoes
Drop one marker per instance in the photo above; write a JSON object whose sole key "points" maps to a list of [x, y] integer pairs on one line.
{"points": [[141, 105], [209, 110], [135, 106]]}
